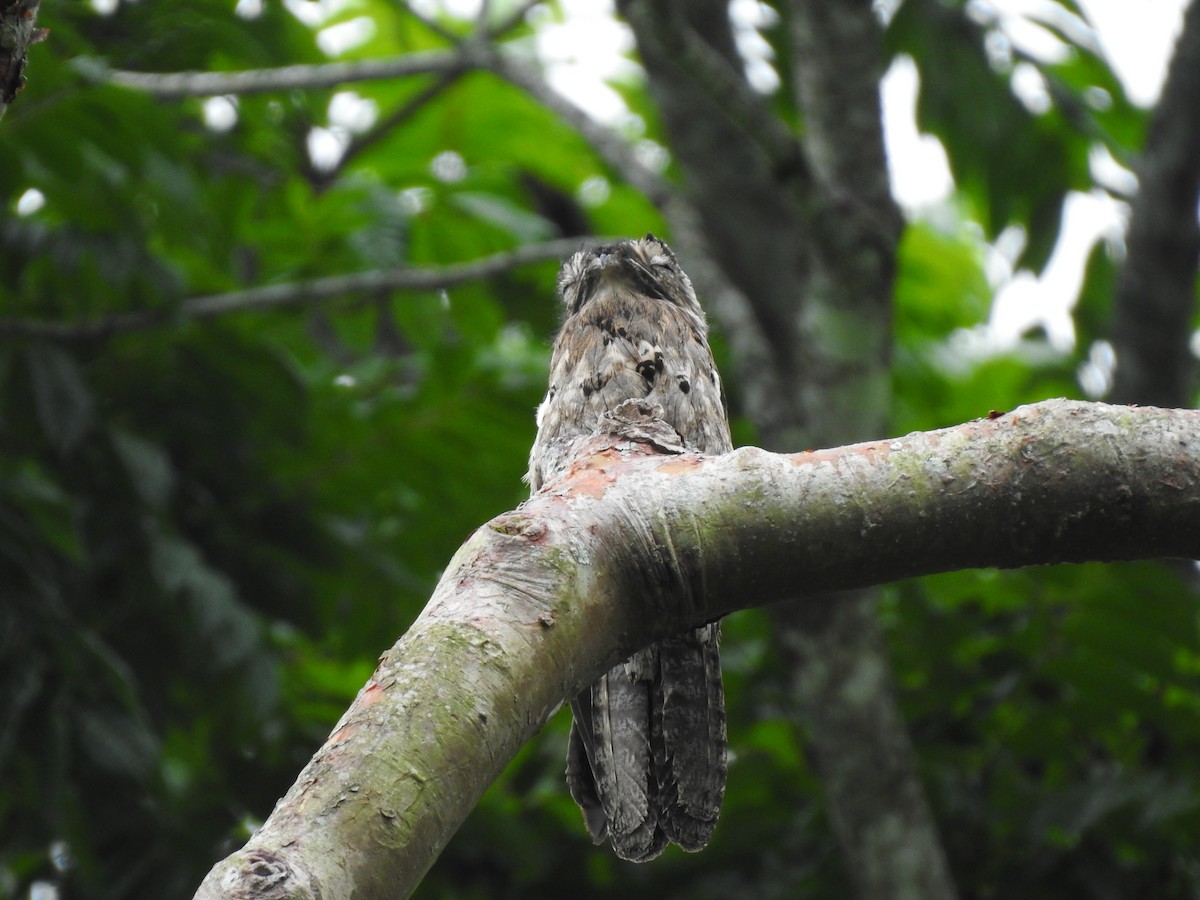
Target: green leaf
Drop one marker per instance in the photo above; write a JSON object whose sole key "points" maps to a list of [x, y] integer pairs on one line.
{"points": [[65, 406], [940, 284], [148, 466], [117, 742], [228, 629], [520, 223]]}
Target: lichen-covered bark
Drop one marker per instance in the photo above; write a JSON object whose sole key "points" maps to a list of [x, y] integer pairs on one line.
{"points": [[541, 600]]}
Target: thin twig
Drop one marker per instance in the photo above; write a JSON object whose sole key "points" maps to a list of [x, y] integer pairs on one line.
{"points": [[513, 19], [278, 296], [174, 85], [611, 146], [432, 24], [384, 127]]}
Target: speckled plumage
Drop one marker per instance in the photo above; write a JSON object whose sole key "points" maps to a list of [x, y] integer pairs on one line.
{"points": [[646, 754]]}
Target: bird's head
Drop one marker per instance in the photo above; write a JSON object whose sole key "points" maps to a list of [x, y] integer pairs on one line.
{"points": [[644, 266]]}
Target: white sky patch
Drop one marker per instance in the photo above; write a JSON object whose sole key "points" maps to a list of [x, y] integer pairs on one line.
{"points": [[415, 200], [594, 191], [747, 18], [1110, 174], [249, 9], [1030, 87], [1138, 39], [30, 202], [1020, 28], [105, 7], [326, 147], [348, 114], [316, 12], [583, 50], [337, 39], [220, 113], [460, 9], [350, 111], [448, 167], [652, 155], [1025, 301], [1097, 371], [920, 172]]}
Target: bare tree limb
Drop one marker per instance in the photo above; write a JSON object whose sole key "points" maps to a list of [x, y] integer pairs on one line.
{"points": [[474, 52], [631, 546], [429, 22], [1156, 288], [389, 123], [175, 85], [294, 293], [514, 18]]}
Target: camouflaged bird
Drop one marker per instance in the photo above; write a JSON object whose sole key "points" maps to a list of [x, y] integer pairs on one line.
{"points": [[646, 753]]}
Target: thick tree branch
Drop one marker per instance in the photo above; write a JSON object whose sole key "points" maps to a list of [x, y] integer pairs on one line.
{"points": [[1156, 289], [629, 547], [293, 293]]}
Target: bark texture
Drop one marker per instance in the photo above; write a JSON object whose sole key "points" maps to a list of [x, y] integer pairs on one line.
{"points": [[18, 32], [1156, 289], [541, 601]]}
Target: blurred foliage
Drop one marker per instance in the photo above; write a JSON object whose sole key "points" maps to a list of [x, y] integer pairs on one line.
{"points": [[209, 530]]}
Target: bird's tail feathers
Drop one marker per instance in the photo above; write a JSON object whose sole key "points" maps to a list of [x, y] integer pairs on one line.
{"points": [[688, 736]]}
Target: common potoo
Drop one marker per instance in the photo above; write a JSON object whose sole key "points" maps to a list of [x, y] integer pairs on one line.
{"points": [[646, 754]]}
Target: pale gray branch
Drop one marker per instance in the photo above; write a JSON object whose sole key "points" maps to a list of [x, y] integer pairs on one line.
{"points": [[294, 293], [172, 85]]}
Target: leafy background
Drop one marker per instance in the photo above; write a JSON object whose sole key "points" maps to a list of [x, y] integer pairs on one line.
{"points": [[209, 529]]}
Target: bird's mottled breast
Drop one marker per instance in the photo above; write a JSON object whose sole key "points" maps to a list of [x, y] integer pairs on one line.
{"points": [[620, 345]]}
